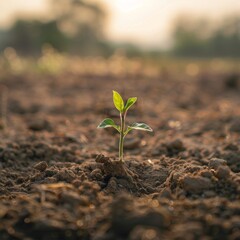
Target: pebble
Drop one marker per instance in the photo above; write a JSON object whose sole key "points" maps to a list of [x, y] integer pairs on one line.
{"points": [[223, 172], [196, 184], [216, 162], [177, 144], [41, 166]]}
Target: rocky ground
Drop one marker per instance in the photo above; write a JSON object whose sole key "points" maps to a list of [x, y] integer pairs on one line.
{"points": [[182, 181]]}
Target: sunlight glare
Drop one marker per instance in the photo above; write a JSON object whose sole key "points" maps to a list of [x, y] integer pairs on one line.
{"points": [[127, 5]]}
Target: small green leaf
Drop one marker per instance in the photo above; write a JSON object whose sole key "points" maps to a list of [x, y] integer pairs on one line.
{"points": [[108, 122], [118, 101], [129, 103], [140, 126]]}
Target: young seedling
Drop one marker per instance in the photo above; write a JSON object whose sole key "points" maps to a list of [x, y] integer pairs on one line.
{"points": [[122, 129]]}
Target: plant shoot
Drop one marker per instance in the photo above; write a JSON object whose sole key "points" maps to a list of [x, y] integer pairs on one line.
{"points": [[122, 128]]}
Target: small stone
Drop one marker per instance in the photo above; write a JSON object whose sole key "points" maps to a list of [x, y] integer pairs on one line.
{"points": [[196, 184], [223, 172], [41, 166], [216, 162], [177, 144]]}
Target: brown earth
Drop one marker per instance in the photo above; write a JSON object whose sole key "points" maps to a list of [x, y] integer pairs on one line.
{"points": [[180, 182]]}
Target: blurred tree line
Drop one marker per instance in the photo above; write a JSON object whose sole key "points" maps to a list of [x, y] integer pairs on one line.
{"points": [[77, 27], [202, 38]]}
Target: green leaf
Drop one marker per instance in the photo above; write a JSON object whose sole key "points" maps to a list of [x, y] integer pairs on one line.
{"points": [[129, 103], [118, 101], [140, 126], [108, 122]]}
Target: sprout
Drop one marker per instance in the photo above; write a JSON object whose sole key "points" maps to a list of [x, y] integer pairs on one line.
{"points": [[123, 129]]}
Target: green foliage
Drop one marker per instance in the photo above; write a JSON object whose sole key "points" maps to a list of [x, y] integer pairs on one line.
{"points": [[123, 131], [28, 37], [129, 103], [75, 26], [140, 126], [203, 38], [118, 101], [108, 122]]}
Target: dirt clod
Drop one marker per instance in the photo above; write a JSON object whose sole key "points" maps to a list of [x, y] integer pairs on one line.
{"points": [[194, 184], [223, 172], [41, 166], [215, 163]]}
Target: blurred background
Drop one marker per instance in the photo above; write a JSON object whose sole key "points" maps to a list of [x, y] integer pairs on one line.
{"points": [[145, 28]]}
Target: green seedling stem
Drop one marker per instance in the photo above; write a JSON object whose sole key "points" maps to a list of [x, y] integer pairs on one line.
{"points": [[122, 129], [121, 140]]}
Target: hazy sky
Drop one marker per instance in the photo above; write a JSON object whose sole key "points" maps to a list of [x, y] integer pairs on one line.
{"points": [[147, 22]]}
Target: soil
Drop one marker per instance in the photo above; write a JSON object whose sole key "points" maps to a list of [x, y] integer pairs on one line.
{"points": [[60, 177]]}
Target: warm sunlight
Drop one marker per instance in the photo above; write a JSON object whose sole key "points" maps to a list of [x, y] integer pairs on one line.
{"points": [[127, 5], [144, 22]]}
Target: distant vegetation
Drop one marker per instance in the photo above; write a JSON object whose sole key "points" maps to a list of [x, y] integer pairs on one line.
{"points": [[78, 27], [75, 26], [202, 38]]}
